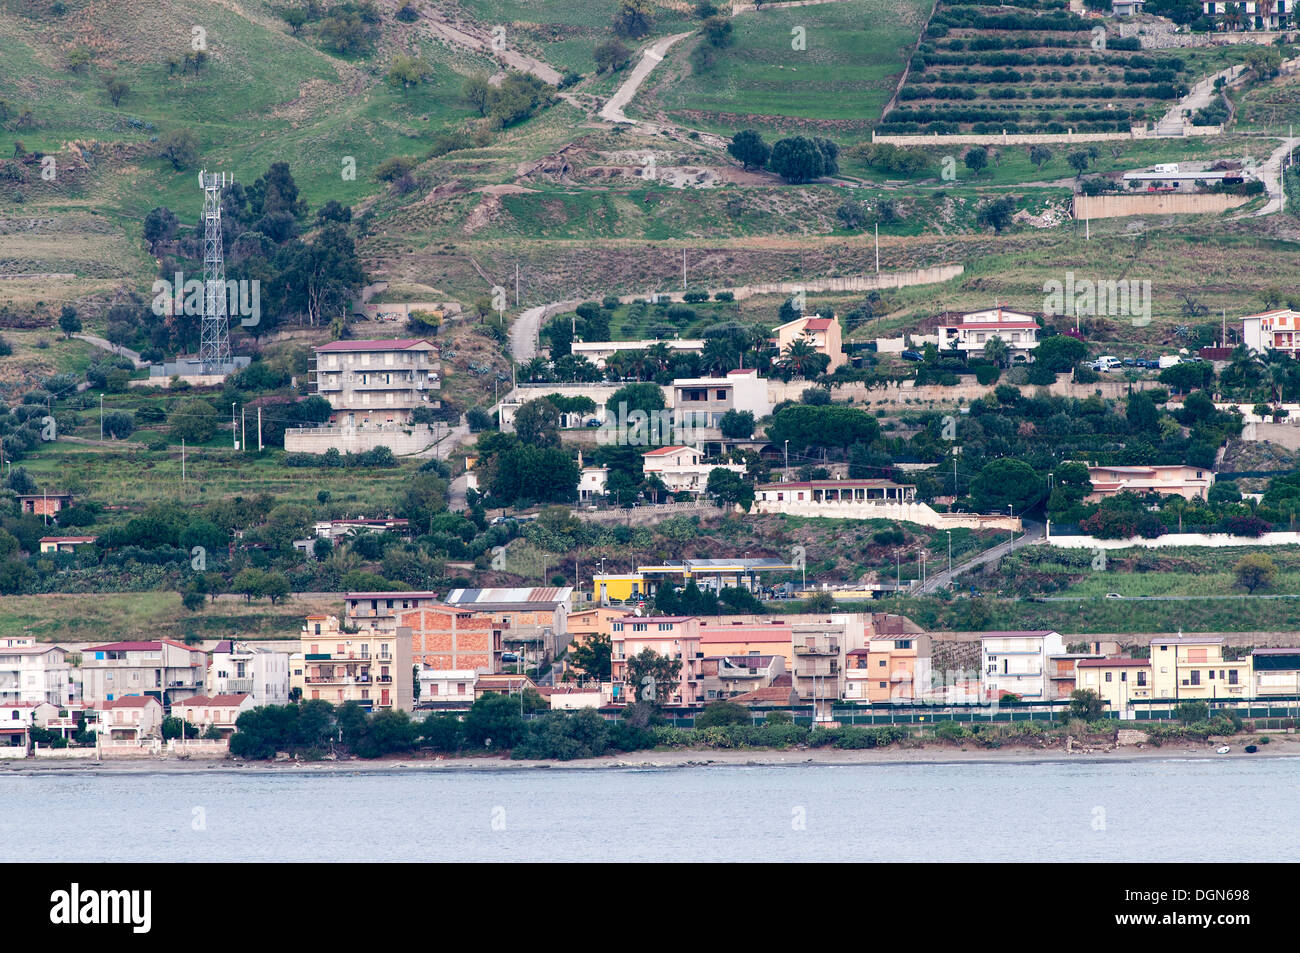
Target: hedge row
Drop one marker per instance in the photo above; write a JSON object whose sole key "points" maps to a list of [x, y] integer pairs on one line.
{"points": [[1152, 91]]}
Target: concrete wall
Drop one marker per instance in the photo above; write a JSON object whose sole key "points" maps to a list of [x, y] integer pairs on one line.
{"points": [[1162, 203], [920, 513], [414, 438], [1033, 138], [1215, 540]]}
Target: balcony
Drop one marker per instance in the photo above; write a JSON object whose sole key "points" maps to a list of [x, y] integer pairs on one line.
{"points": [[239, 686], [816, 650]]}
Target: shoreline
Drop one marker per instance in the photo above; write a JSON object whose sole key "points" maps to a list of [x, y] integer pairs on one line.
{"points": [[677, 759]]}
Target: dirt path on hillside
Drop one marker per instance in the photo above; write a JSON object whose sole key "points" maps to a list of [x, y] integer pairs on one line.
{"points": [[612, 111], [480, 44]]}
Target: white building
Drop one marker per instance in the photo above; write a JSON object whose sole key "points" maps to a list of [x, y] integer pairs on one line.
{"points": [[169, 671], [377, 381], [1277, 330], [1126, 8], [132, 718], [1016, 662], [702, 401], [592, 482], [16, 723], [972, 330], [681, 468], [34, 673], [1252, 12], [236, 668], [447, 688]]}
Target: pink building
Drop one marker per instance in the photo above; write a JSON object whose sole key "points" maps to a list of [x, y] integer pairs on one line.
{"points": [[674, 637]]}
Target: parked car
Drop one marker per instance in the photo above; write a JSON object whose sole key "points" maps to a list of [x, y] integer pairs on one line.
{"points": [[912, 356], [1113, 595], [1130, 362], [592, 422]]}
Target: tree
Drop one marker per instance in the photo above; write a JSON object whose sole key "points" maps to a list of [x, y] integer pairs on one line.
{"points": [[723, 713], [611, 55], [633, 18], [1060, 352], [800, 159], [830, 426], [728, 488], [407, 71], [180, 148], [537, 423], [737, 425], [494, 722], [116, 89], [749, 149], [820, 602], [652, 678], [996, 213], [996, 351], [159, 226], [1040, 156], [1254, 571], [1006, 482], [119, 424], [1085, 704], [249, 583], [977, 159], [193, 420], [592, 658], [1078, 162], [478, 92], [717, 30], [69, 323]]}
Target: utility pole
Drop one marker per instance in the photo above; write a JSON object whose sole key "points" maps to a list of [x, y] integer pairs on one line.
{"points": [[877, 248], [234, 431], [182, 459], [516, 284], [259, 428], [683, 269], [243, 430], [101, 418]]}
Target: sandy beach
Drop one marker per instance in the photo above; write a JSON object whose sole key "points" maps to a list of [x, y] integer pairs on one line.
{"points": [[1280, 746]]}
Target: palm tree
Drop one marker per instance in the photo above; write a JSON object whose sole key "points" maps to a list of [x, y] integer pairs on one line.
{"points": [[640, 366], [1265, 10], [616, 366], [719, 355], [800, 356], [535, 369], [996, 351], [660, 355], [1232, 17]]}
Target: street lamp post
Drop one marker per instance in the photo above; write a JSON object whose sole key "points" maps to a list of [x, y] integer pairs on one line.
{"points": [[787, 461], [949, 532]]}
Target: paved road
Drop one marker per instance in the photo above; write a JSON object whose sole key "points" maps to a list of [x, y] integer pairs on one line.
{"points": [[1032, 534], [523, 333], [612, 111], [1270, 173], [1200, 96], [107, 346]]}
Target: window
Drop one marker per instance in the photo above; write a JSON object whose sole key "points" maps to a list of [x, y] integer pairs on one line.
{"points": [[883, 663], [1142, 678], [1108, 676], [1196, 676], [1123, 676], [1232, 676]]}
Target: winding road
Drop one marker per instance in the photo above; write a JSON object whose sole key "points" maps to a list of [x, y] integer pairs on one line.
{"points": [[1032, 534]]}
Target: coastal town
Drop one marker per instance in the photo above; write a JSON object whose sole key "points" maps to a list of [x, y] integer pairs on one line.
{"points": [[570, 418]]}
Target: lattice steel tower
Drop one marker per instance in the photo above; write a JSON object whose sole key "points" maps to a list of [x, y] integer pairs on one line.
{"points": [[214, 339]]}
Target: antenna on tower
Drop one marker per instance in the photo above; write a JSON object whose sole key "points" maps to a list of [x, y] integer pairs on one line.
{"points": [[214, 337]]}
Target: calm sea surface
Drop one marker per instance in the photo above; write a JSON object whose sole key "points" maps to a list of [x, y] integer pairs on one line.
{"points": [[1140, 811]]}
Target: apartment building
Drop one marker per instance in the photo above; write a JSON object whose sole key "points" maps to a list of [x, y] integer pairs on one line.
{"points": [[1277, 330], [1118, 681], [734, 636], [1062, 672], [31, 673], [447, 689], [726, 676], [381, 609], [532, 620], [1015, 663], [673, 637], [371, 666], [237, 668], [819, 667], [891, 667], [701, 402], [1193, 667], [1254, 14], [822, 333], [682, 469], [377, 381], [1191, 483], [451, 638], [166, 670], [971, 331]]}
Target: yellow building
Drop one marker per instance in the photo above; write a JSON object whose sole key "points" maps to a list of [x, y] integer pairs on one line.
{"points": [[371, 667], [821, 332], [1193, 667], [1118, 681]]}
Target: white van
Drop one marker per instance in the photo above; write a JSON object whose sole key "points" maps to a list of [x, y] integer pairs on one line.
{"points": [[1108, 363]]}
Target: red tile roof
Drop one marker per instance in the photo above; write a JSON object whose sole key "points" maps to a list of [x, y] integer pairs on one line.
{"points": [[1114, 663], [665, 450], [205, 701], [129, 701], [141, 646]]}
